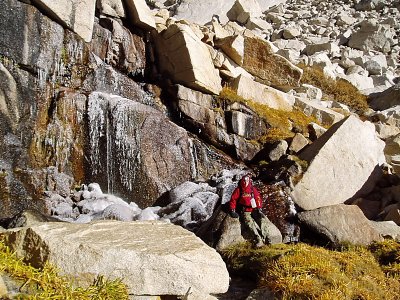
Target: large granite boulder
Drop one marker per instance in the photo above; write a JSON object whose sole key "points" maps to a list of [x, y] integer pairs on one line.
{"points": [[340, 224], [77, 15], [187, 60], [221, 231], [151, 258], [372, 36], [258, 92], [343, 163], [267, 67]]}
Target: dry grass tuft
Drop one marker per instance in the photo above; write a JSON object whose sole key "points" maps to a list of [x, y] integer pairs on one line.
{"points": [[281, 122], [306, 272], [387, 254], [47, 284], [339, 90]]}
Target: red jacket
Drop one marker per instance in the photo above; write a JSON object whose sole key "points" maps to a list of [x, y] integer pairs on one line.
{"points": [[242, 195]]}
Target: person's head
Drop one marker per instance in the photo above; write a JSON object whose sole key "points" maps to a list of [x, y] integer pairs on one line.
{"points": [[246, 179]]}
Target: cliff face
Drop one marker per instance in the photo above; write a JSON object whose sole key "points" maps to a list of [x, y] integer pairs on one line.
{"points": [[75, 112]]}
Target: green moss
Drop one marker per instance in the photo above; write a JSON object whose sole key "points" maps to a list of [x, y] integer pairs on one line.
{"points": [[339, 90], [307, 272], [47, 284]]}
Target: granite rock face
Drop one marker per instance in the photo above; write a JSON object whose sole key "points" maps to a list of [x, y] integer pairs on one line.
{"points": [[340, 223], [77, 15], [343, 162]]}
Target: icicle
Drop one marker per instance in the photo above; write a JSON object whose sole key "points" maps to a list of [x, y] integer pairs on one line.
{"points": [[109, 158], [42, 77], [194, 159], [96, 127]]}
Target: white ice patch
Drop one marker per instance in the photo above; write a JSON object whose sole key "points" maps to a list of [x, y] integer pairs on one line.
{"points": [[83, 219], [147, 214], [118, 212]]}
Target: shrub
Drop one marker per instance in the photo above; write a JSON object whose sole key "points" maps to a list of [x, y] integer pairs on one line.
{"points": [[339, 90], [47, 284]]}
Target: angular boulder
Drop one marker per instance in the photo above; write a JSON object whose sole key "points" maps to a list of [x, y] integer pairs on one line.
{"points": [[242, 10], [343, 163], [113, 8], [372, 36], [312, 108], [221, 231], [269, 68], [299, 141], [141, 14], [339, 224], [151, 258], [78, 15], [386, 99], [387, 229], [233, 46], [195, 105], [258, 92], [187, 60]]}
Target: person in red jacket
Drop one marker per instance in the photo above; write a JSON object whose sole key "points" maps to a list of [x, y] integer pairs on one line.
{"points": [[247, 200]]}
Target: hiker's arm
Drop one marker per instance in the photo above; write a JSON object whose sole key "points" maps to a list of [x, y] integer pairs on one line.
{"points": [[235, 196]]}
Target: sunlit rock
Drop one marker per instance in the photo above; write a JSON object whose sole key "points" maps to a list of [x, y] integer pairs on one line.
{"points": [[150, 257], [338, 224], [250, 89], [269, 68], [186, 59], [113, 8], [78, 15], [140, 14], [343, 163]]}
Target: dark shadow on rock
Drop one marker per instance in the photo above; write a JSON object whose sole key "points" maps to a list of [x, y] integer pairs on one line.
{"points": [[368, 186]]}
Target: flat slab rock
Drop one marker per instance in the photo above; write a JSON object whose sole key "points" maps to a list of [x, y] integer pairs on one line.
{"points": [[151, 257]]}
